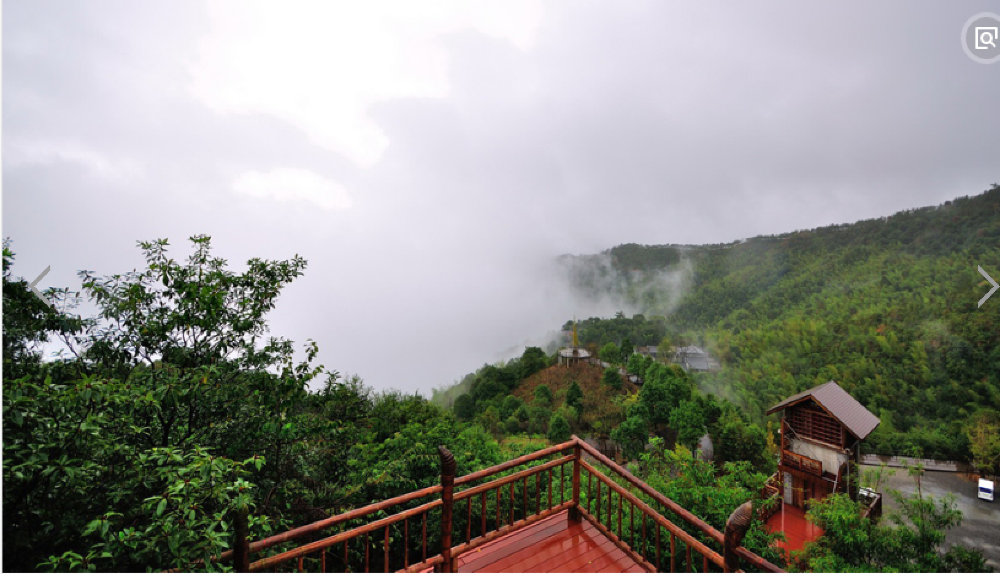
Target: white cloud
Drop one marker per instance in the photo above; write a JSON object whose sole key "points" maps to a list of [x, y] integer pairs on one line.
{"points": [[54, 151], [320, 66], [288, 184]]}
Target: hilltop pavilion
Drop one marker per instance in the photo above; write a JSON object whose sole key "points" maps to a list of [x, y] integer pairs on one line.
{"points": [[575, 353]]}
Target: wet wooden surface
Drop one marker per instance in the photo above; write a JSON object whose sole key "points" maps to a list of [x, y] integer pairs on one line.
{"points": [[551, 545]]}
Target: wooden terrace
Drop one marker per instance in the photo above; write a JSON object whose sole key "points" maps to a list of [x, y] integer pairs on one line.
{"points": [[559, 514], [797, 528], [554, 544]]}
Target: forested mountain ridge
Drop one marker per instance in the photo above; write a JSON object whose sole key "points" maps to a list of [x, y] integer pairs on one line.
{"points": [[887, 307]]}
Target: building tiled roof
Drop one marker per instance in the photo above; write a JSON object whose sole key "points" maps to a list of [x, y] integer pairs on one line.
{"points": [[697, 362], [691, 350], [576, 352], [694, 358], [845, 408]]}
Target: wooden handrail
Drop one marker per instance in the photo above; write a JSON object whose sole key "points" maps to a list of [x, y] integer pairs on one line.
{"points": [[343, 536], [449, 495], [758, 561], [447, 505], [672, 506], [512, 478], [656, 516], [312, 527], [517, 462]]}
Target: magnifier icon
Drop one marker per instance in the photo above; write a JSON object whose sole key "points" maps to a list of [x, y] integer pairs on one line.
{"points": [[981, 38], [985, 37]]}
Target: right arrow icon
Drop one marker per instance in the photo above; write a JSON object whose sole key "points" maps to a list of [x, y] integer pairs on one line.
{"points": [[992, 282]]}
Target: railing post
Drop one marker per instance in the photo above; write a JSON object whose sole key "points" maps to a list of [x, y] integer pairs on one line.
{"points": [[736, 528], [574, 511], [447, 493], [241, 544]]}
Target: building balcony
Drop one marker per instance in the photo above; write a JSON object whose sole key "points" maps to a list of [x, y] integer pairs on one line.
{"points": [[802, 463], [559, 513]]}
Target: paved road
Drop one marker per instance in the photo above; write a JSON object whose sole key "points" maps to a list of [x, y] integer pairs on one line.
{"points": [[980, 518]]}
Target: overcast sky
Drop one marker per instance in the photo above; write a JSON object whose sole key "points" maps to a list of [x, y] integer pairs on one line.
{"points": [[430, 159]]}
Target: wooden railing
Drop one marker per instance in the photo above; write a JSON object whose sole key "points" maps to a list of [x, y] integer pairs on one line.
{"points": [[771, 495], [772, 486], [803, 463], [636, 524]]}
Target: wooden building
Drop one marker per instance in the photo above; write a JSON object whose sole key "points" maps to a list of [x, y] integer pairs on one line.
{"points": [[821, 434]]}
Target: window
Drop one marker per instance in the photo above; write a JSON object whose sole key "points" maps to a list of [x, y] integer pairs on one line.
{"points": [[810, 421]]}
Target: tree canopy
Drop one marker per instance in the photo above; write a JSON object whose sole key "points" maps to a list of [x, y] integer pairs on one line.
{"points": [[175, 410]]}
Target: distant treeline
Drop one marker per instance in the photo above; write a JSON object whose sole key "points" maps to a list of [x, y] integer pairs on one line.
{"points": [[887, 307]]}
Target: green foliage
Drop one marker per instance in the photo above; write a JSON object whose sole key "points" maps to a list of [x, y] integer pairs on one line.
{"points": [[631, 256], [559, 430], [543, 396], [465, 407], [512, 425], [654, 399], [712, 409], [984, 440], [689, 423], [738, 440], [887, 307], [638, 329], [191, 314], [708, 493], [679, 387], [522, 414], [574, 397], [490, 420], [626, 350], [488, 387], [538, 419], [637, 365], [609, 353], [138, 451], [27, 321], [532, 360], [612, 378], [631, 435], [178, 367], [409, 460], [510, 406], [392, 410]]}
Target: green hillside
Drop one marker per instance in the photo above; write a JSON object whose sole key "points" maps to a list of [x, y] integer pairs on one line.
{"points": [[887, 307]]}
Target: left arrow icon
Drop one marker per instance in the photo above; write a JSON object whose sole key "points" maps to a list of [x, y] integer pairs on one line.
{"points": [[992, 282], [39, 293]]}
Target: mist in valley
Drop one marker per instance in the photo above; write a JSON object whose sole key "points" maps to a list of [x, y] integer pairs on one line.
{"points": [[434, 167]]}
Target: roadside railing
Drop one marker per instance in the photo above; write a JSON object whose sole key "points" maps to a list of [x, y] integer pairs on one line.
{"points": [[503, 505]]}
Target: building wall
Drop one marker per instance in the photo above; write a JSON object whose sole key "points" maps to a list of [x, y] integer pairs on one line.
{"points": [[830, 457]]}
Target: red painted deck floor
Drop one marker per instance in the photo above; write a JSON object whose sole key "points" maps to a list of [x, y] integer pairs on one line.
{"points": [[551, 545], [798, 530]]}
